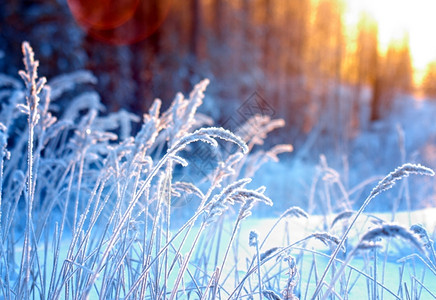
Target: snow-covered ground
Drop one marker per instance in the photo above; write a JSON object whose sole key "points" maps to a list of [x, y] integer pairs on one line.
{"points": [[390, 256], [290, 230]]}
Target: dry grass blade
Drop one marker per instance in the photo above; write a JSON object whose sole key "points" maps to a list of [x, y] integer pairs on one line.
{"points": [[296, 212], [252, 238], [343, 215], [244, 194], [392, 230], [327, 239], [231, 189], [427, 242], [225, 135], [245, 210], [420, 231], [279, 149], [187, 187], [293, 211], [268, 252], [271, 295], [366, 245]]}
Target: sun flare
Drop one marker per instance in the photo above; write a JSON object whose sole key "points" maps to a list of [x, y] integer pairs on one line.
{"points": [[396, 18]]}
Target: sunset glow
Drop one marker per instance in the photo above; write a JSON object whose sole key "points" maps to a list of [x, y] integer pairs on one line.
{"points": [[398, 17]]}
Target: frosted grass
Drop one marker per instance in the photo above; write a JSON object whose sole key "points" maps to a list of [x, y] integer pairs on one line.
{"points": [[100, 222]]}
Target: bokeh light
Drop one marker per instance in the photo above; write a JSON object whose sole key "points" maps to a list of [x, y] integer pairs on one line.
{"points": [[119, 22]]}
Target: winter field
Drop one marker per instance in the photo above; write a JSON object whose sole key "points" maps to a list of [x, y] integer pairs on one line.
{"points": [[181, 209]]}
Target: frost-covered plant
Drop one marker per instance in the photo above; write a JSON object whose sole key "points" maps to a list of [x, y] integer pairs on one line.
{"points": [[87, 178], [86, 203], [368, 241], [34, 87], [384, 184]]}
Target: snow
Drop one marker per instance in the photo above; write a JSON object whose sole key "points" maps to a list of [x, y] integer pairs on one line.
{"points": [[297, 229]]}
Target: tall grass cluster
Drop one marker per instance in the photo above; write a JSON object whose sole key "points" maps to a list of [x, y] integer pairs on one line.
{"points": [[87, 208]]}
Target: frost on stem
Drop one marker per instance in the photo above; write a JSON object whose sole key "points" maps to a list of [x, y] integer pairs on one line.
{"points": [[231, 189], [180, 187], [227, 167], [182, 114], [295, 211], [243, 194], [235, 192], [257, 128], [225, 135], [279, 149], [207, 135], [33, 88], [33, 84], [220, 201], [294, 276], [399, 173]]}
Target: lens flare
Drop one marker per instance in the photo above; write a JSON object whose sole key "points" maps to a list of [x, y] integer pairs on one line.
{"points": [[119, 22]]}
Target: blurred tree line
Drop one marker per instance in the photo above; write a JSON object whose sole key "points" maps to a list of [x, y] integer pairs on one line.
{"points": [[429, 82], [297, 54]]}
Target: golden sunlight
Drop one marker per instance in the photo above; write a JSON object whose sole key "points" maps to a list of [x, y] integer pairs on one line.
{"points": [[397, 18]]}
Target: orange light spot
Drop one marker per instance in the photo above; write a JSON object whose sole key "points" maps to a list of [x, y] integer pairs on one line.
{"points": [[119, 21]]}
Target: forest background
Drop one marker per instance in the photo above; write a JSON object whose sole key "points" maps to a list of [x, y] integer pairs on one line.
{"points": [[297, 60]]}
